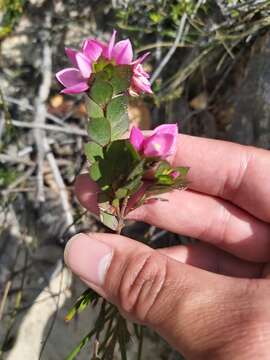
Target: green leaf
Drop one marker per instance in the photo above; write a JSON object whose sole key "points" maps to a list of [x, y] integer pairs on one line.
{"points": [[109, 220], [164, 168], [101, 92], [165, 180], [117, 164], [99, 131], [137, 170], [87, 297], [79, 347], [134, 185], [118, 116], [183, 170], [121, 79], [134, 153], [123, 337], [93, 151], [93, 109], [121, 193], [95, 172]]}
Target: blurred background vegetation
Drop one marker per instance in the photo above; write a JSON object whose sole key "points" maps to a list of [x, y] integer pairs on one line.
{"points": [[210, 69]]}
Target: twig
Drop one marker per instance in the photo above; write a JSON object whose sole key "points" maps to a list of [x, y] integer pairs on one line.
{"points": [[13, 187], [4, 298], [61, 186], [162, 44], [15, 159], [40, 109], [25, 105], [67, 129], [172, 49]]}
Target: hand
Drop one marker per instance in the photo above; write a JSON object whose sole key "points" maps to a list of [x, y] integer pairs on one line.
{"points": [[209, 300]]}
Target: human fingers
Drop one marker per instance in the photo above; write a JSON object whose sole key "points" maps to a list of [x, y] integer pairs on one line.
{"points": [[200, 314], [200, 216], [231, 171], [210, 258]]}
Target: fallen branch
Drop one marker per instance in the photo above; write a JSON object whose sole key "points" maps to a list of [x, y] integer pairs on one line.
{"points": [[61, 186], [40, 108], [26, 106], [172, 49], [67, 129]]}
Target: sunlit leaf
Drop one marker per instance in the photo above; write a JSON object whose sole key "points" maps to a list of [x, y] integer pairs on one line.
{"points": [[121, 79], [93, 151], [87, 297], [101, 92], [109, 220], [99, 130], [118, 117], [93, 109]]}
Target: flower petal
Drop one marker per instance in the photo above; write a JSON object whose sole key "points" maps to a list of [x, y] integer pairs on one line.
{"points": [[84, 65], [71, 54], [76, 89], [171, 129], [140, 59], [167, 129], [136, 138], [69, 77], [92, 49], [158, 145], [141, 84], [122, 52], [108, 50]]}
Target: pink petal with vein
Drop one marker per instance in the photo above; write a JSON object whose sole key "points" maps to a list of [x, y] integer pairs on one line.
{"points": [[84, 65], [136, 138], [158, 145], [71, 54], [92, 49], [141, 84], [76, 89], [69, 77], [122, 52], [171, 129], [108, 50]]}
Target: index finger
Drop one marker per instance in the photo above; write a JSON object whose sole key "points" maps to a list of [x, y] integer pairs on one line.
{"points": [[231, 171]]}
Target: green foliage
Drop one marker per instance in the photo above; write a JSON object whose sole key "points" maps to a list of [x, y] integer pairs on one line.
{"points": [[7, 176], [112, 171], [101, 92], [93, 109], [88, 297], [93, 151], [99, 130], [11, 10], [118, 117], [120, 79]]}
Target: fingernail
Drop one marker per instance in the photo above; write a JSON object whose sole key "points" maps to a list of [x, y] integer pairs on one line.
{"points": [[89, 258]]}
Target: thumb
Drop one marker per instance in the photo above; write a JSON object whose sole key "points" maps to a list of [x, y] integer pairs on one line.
{"points": [[147, 286]]}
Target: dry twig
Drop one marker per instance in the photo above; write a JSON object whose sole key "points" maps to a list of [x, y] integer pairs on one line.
{"points": [[40, 108]]}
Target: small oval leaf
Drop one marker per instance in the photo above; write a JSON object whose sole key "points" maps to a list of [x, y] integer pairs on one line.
{"points": [[99, 130], [101, 92], [93, 109], [118, 116]]}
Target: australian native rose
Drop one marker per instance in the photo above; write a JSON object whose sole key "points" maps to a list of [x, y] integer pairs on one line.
{"points": [[128, 171]]}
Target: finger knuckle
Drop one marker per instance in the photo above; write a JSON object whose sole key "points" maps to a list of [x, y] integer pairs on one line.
{"points": [[141, 285]]}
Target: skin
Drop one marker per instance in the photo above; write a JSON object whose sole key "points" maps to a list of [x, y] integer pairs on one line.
{"points": [[209, 300]]}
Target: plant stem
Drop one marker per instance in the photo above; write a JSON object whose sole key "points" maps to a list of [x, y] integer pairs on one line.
{"points": [[121, 216]]}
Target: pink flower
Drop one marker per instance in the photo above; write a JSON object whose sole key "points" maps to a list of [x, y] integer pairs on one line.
{"points": [[174, 174], [140, 78], [161, 144], [76, 79]]}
